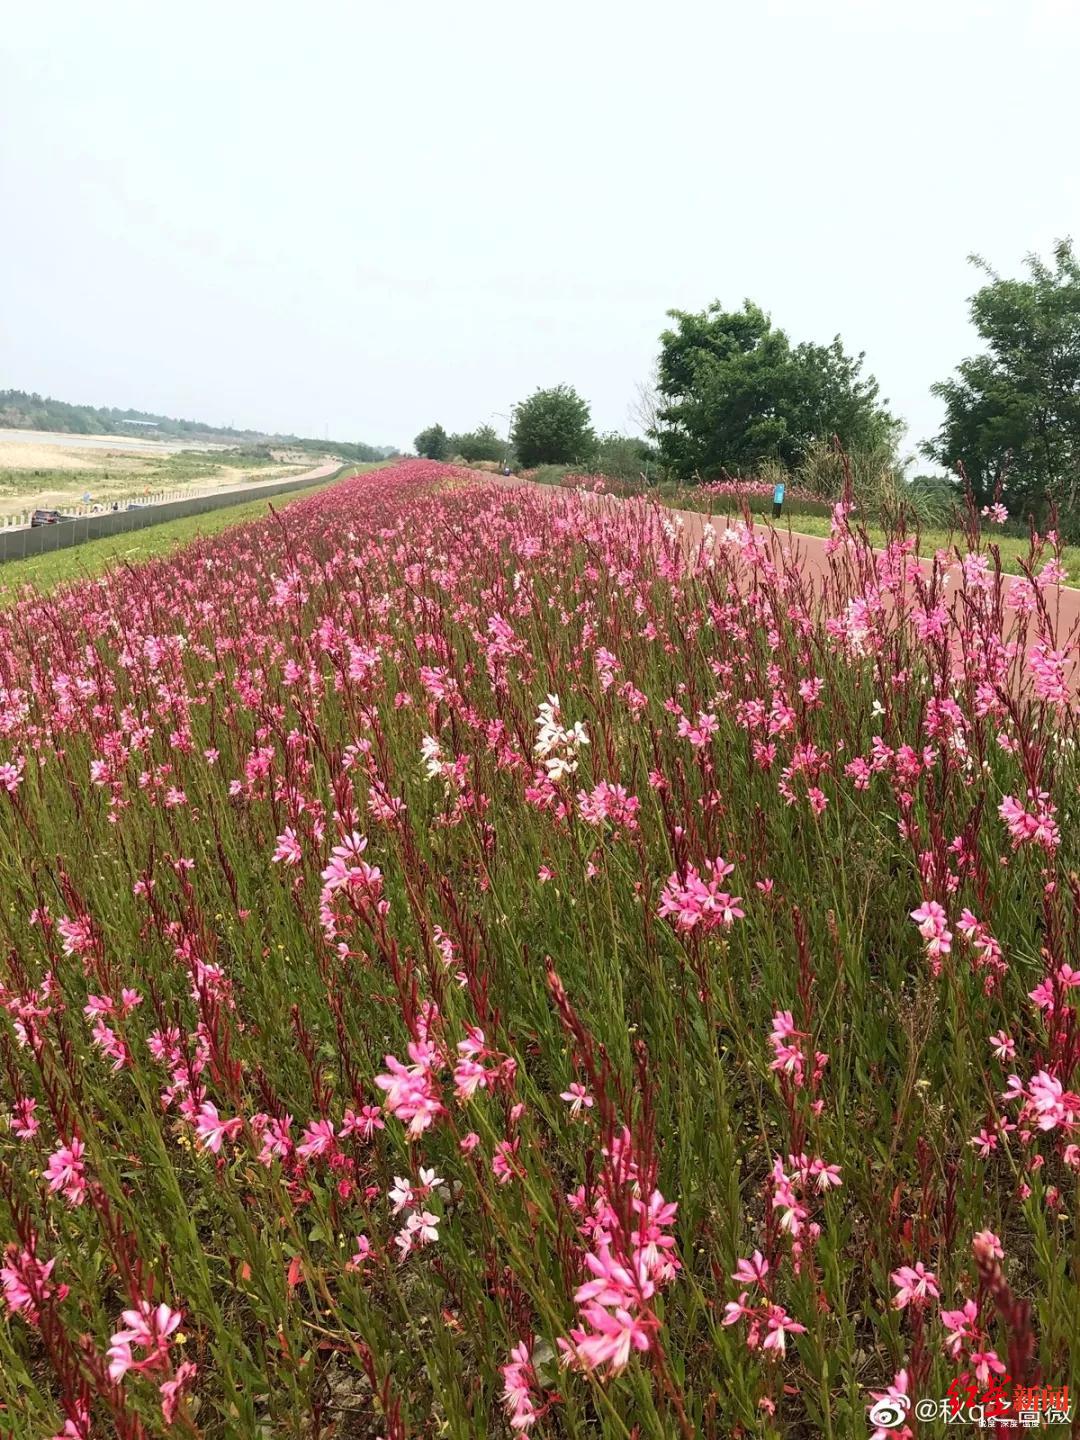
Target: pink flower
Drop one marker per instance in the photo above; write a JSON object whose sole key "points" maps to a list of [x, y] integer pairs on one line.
{"points": [[421, 1228], [614, 1336], [361, 1255], [77, 1424], [933, 927], [503, 1164], [825, 1177], [915, 1285], [149, 1328], [898, 1392], [1003, 1046], [736, 1310], [67, 1173], [401, 1194], [1052, 1104], [985, 1142], [611, 803], [288, 851], [577, 1096], [694, 901], [171, 1391], [519, 1378], [212, 1130], [818, 803], [1038, 827], [24, 1123], [961, 1325], [699, 734], [24, 1280], [411, 1091], [317, 1139], [277, 1142], [11, 775], [779, 1325], [987, 1245], [985, 1362], [363, 1124], [1049, 669], [752, 1271]]}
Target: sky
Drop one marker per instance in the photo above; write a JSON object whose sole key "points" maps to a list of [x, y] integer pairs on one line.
{"points": [[356, 219]]}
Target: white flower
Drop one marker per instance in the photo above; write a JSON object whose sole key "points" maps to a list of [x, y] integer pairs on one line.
{"points": [[431, 752], [556, 746]]}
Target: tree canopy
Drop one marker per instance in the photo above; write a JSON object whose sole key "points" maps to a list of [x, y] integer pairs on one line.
{"points": [[734, 393], [552, 427], [1014, 410], [483, 443], [433, 443]]}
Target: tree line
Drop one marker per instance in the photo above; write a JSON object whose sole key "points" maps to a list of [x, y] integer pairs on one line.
{"points": [[732, 394], [25, 410]]}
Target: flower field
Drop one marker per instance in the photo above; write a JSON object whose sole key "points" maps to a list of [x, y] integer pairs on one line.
{"points": [[476, 963]]}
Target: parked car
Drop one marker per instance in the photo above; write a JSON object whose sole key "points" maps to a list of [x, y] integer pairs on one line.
{"points": [[48, 517]]}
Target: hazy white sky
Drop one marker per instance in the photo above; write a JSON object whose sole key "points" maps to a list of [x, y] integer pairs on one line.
{"points": [[363, 218]]}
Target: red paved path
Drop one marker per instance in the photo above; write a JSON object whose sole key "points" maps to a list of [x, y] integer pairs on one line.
{"points": [[809, 551]]}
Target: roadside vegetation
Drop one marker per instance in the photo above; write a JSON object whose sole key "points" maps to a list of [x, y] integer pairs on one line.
{"points": [[732, 399], [803, 514]]}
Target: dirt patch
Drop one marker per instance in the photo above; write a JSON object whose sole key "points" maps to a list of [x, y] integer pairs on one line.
{"points": [[36, 473], [36, 455]]}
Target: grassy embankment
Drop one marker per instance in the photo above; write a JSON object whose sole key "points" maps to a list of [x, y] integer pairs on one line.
{"points": [[84, 562], [42, 474]]}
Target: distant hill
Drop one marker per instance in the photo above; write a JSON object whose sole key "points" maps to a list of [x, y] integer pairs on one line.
{"points": [[22, 411]]}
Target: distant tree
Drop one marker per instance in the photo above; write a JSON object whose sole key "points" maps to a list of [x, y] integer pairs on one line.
{"points": [[735, 393], [624, 457], [34, 412], [483, 443], [433, 443], [1015, 409], [552, 427], [644, 410]]}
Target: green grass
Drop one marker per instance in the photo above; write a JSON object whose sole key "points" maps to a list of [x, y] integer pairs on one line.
{"points": [[84, 562]]}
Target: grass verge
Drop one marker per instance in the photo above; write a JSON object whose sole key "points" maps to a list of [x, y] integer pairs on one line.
{"points": [[83, 562]]}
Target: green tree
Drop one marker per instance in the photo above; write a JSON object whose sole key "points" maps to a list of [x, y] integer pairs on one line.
{"points": [[483, 443], [552, 427], [1014, 410], [625, 457], [433, 443], [734, 393]]}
